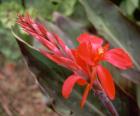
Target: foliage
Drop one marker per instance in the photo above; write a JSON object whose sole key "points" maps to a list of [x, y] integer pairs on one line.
{"points": [[66, 7], [7, 46], [129, 6], [8, 16], [8, 13]]}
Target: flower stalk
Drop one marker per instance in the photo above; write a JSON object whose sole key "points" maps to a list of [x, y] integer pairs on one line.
{"points": [[105, 100]]}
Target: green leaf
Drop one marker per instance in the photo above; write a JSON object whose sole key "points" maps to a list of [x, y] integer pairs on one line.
{"points": [[129, 6], [66, 7], [8, 45], [132, 75], [138, 95], [8, 13], [72, 28]]}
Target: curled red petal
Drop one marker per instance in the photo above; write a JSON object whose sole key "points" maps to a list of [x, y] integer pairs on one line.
{"points": [[106, 81], [86, 37], [119, 58], [69, 84], [84, 97]]}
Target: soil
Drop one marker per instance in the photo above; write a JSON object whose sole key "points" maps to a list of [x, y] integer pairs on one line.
{"points": [[20, 94]]}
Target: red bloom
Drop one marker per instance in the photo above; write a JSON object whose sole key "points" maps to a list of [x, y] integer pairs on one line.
{"points": [[84, 61]]}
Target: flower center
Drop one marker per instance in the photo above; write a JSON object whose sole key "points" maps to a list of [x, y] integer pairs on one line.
{"points": [[99, 55], [100, 51]]}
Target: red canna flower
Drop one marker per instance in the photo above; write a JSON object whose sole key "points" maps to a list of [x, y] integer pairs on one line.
{"points": [[85, 60]]}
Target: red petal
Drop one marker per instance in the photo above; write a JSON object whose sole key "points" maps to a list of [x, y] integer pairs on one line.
{"points": [[119, 58], [69, 84], [88, 48], [86, 92], [79, 61], [61, 60], [39, 32], [48, 44], [59, 41], [85, 37], [64, 47], [106, 81], [84, 51], [81, 82]]}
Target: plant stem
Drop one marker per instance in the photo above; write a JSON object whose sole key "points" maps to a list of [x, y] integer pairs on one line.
{"points": [[105, 100], [107, 103]]}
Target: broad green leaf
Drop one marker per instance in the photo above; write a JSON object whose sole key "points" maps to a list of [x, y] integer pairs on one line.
{"points": [[66, 7], [79, 14], [64, 36], [132, 75], [72, 28], [138, 95]]}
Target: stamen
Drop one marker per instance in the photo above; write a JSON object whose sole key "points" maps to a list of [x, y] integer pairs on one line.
{"points": [[100, 51]]}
